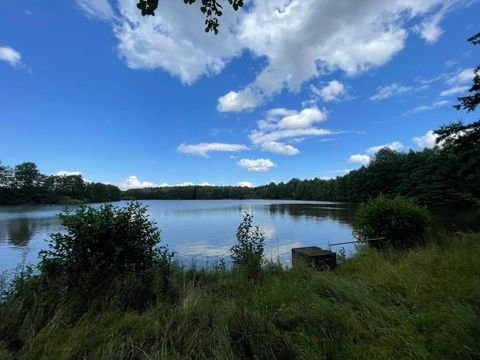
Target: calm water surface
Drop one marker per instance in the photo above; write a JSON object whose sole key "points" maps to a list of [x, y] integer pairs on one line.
{"points": [[198, 231]]}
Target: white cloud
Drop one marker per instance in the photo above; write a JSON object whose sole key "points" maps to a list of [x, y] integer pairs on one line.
{"points": [[10, 56], [384, 92], [396, 145], [283, 125], [454, 90], [245, 184], [426, 141], [462, 77], [233, 101], [458, 82], [360, 159], [430, 29], [260, 137], [298, 40], [365, 159], [279, 148], [132, 182], [203, 149], [258, 165], [206, 183], [174, 40], [333, 91], [302, 120], [187, 183], [97, 8], [423, 108]]}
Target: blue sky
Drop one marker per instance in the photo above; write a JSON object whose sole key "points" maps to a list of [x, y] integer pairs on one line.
{"points": [[287, 89]]}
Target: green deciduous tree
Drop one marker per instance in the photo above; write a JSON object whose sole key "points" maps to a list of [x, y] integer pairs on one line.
{"points": [[401, 221], [102, 245], [247, 254], [28, 177]]}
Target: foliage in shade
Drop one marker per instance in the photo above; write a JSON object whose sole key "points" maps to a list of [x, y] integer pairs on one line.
{"points": [[470, 102], [433, 177], [400, 221], [420, 304], [247, 254], [26, 184], [101, 245]]}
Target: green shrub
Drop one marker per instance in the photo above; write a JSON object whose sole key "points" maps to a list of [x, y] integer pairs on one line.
{"points": [[399, 220], [102, 245], [247, 254]]}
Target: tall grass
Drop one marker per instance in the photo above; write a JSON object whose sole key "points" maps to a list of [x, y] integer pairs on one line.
{"points": [[420, 304]]}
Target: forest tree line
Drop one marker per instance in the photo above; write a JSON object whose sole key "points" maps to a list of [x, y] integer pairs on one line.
{"points": [[25, 184], [434, 177], [448, 174]]}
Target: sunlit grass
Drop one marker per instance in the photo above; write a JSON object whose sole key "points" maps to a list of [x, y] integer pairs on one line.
{"points": [[421, 304]]}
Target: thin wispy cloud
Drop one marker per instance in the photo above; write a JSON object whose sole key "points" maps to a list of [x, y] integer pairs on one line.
{"points": [[423, 108], [203, 149], [459, 83], [387, 91]]}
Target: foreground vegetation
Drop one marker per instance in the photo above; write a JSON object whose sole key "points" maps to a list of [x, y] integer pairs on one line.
{"points": [[378, 305], [106, 289]]}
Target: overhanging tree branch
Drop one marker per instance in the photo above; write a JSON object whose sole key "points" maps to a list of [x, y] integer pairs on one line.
{"points": [[212, 10]]}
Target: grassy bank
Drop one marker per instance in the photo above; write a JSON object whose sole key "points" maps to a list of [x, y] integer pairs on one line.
{"points": [[423, 304]]}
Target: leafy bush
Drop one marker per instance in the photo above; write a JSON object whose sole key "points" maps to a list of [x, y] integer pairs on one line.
{"points": [[401, 221], [247, 254], [102, 245]]}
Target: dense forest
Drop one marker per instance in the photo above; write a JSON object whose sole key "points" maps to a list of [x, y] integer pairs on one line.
{"points": [[440, 176], [25, 184]]}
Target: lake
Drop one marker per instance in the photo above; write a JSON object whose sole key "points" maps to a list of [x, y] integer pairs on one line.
{"points": [[199, 231]]}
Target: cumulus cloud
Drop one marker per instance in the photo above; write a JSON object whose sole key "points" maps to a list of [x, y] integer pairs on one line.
{"points": [[299, 40], [426, 141], [10, 56], [396, 145], [233, 101], [283, 125], [458, 82], [97, 8], [279, 148], [365, 159], [387, 91], [187, 183], [132, 182], [333, 91], [360, 159], [258, 165], [173, 40], [203, 149], [245, 184]]}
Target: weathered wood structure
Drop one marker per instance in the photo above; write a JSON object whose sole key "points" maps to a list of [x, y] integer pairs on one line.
{"points": [[316, 257]]}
